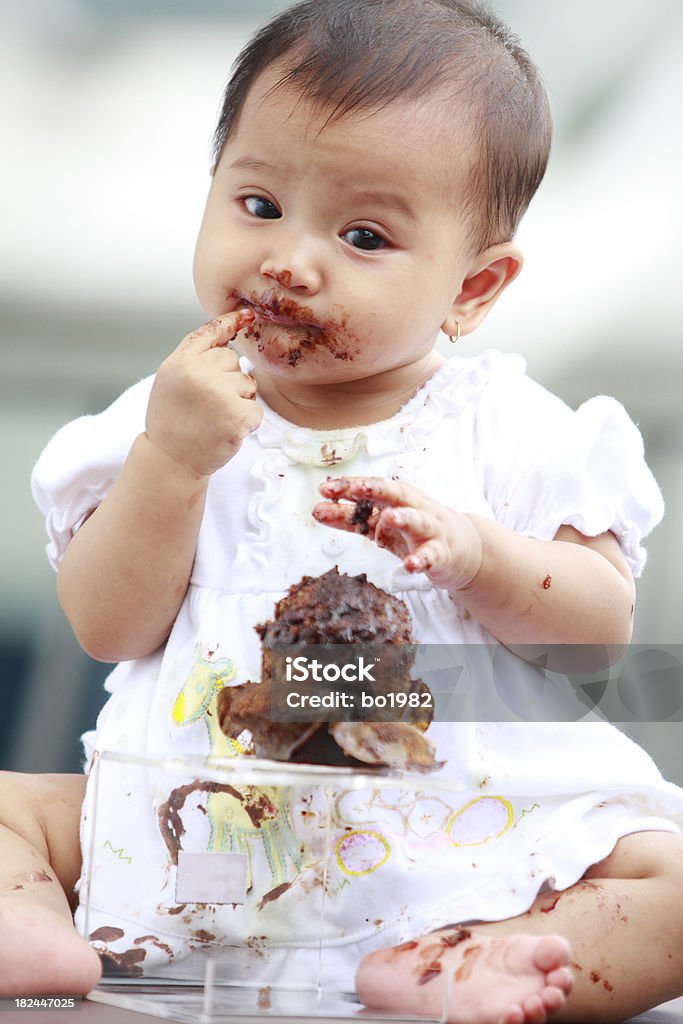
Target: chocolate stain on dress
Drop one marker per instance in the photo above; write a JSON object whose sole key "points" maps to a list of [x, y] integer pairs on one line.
{"points": [[274, 894], [170, 821], [106, 934]]}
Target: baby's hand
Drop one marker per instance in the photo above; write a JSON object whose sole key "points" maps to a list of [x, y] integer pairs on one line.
{"points": [[427, 536], [202, 406]]}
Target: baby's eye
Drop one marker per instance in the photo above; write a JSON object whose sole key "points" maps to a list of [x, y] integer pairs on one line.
{"points": [[260, 207], [363, 238]]}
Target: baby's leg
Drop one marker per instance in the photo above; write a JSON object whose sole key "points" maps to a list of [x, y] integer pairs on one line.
{"points": [[40, 859], [623, 922]]}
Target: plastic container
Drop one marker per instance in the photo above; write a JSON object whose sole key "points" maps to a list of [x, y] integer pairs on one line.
{"points": [[232, 828]]}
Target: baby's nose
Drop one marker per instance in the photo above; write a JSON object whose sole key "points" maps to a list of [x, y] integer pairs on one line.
{"points": [[296, 273], [283, 277]]}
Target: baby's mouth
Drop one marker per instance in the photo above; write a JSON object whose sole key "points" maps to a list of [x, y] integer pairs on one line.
{"points": [[277, 318], [284, 312], [308, 334]]}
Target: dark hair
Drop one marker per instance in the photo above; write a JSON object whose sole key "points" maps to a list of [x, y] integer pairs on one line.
{"points": [[348, 55]]}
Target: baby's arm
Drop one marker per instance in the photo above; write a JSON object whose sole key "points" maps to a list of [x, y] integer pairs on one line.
{"points": [[570, 590], [125, 572]]}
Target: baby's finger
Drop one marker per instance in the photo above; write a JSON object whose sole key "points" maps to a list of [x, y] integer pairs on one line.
{"points": [[352, 488], [405, 529], [389, 538], [247, 386], [381, 492], [356, 518], [428, 557], [415, 524], [219, 332], [336, 488]]}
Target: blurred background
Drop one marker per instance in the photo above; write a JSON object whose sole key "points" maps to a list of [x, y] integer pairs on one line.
{"points": [[107, 110]]}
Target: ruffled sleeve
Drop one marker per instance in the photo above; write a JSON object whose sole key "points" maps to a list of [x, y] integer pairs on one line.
{"points": [[79, 465], [545, 465]]}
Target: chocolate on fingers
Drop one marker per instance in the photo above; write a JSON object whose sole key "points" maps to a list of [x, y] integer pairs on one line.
{"points": [[381, 492]]}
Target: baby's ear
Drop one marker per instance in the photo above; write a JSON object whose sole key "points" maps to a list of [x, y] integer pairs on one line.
{"points": [[488, 275]]}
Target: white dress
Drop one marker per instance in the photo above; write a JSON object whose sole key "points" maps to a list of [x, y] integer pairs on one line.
{"points": [[531, 804]]}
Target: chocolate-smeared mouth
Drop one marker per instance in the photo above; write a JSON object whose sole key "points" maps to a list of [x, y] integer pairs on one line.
{"points": [[278, 318], [282, 311], [303, 332]]}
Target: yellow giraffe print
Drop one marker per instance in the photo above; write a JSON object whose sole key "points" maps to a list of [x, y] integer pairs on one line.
{"points": [[240, 821]]}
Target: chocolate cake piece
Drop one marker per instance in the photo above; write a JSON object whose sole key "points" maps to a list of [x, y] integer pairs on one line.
{"points": [[332, 611], [397, 744], [336, 608], [248, 707]]}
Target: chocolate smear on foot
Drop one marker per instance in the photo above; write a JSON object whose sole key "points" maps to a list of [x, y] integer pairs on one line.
{"points": [[429, 972], [455, 937]]}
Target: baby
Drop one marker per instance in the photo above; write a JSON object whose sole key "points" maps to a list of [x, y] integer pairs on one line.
{"points": [[372, 161]]}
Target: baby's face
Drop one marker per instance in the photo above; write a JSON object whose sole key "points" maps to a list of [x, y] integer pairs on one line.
{"points": [[343, 238]]}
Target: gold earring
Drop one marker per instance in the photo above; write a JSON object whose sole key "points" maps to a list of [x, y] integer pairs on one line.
{"points": [[456, 339]]}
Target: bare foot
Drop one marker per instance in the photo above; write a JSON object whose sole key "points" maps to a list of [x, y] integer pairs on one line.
{"points": [[516, 979], [41, 953]]}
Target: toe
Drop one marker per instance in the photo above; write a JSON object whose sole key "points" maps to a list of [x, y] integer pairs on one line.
{"points": [[553, 998], [551, 953], [513, 1016], [534, 1010], [561, 978]]}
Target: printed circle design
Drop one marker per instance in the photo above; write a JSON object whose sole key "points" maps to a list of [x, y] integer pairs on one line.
{"points": [[360, 853], [482, 819], [428, 817]]}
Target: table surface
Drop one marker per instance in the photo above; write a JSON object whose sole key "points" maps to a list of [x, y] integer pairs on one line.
{"points": [[95, 1012]]}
